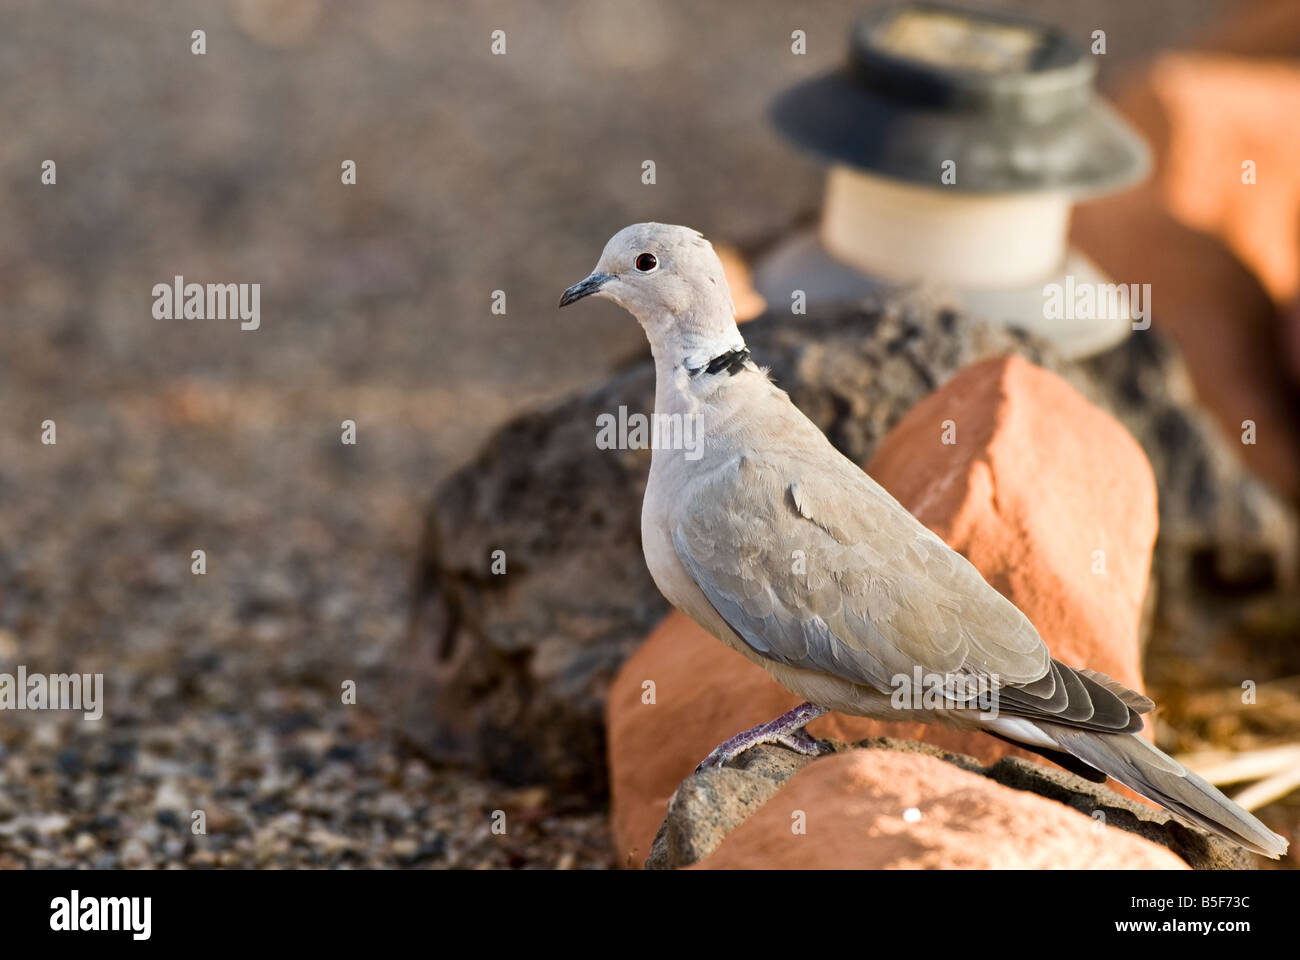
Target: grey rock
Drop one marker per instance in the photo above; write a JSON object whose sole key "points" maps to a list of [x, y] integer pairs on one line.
{"points": [[507, 672], [709, 805], [1225, 536]]}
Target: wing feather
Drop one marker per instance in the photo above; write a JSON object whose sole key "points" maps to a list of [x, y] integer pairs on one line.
{"points": [[818, 567], [828, 572]]}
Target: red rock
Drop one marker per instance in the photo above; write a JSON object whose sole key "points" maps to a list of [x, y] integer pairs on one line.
{"points": [[1068, 480], [853, 808], [748, 301], [1038, 481]]}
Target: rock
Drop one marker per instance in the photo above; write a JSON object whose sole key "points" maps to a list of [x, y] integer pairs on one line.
{"points": [[329, 842], [1221, 253], [404, 848], [709, 805], [740, 281], [1048, 495], [202, 859], [1225, 538], [508, 673], [49, 825], [169, 796], [893, 804], [135, 853], [1027, 502], [703, 693]]}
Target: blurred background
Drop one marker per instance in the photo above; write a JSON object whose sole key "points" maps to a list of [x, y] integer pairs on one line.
{"points": [[475, 173]]}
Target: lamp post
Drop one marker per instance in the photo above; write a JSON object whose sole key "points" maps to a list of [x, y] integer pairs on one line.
{"points": [[958, 143]]}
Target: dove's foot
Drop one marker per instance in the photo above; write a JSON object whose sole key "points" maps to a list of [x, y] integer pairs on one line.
{"points": [[787, 729]]}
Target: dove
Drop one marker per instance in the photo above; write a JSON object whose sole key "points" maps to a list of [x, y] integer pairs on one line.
{"points": [[879, 599]]}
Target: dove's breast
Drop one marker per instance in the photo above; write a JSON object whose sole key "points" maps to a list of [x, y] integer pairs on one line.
{"points": [[681, 590], [666, 487], [676, 475]]}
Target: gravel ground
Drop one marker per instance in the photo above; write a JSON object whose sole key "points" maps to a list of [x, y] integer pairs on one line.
{"points": [[223, 690], [283, 782]]}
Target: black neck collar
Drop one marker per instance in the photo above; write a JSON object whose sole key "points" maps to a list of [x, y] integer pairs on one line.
{"points": [[733, 361]]}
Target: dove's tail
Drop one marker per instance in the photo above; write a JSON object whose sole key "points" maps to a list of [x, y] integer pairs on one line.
{"points": [[1138, 765]]}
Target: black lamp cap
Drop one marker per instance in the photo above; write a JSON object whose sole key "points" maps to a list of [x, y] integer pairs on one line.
{"points": [[1010, 100]]}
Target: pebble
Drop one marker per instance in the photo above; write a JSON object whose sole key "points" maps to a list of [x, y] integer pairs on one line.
{"points": [[135, 853]]}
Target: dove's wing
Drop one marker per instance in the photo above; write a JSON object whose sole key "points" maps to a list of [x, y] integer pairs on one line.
{"points": [[814, 565]]}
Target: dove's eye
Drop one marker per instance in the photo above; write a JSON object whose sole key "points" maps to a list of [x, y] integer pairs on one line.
{"points": [[646, 262]]}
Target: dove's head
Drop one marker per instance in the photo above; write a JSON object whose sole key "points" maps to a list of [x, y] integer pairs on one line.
{"points": [[670, 279]]}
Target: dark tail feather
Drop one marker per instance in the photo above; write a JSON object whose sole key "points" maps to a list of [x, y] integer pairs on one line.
{"points": [[1138, 765]]}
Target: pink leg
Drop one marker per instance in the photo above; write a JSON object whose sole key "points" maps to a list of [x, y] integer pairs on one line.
{"points": [[787, 729]]}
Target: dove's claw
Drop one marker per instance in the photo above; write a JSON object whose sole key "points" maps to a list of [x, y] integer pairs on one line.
{"points": [[711, 761], [787, 729], [801, 741]]}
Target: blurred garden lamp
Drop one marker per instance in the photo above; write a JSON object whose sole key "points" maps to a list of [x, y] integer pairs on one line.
{"points": [[958, 143]]}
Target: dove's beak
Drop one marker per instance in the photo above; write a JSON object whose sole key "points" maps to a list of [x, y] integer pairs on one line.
{"points": [[585, 288]]}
